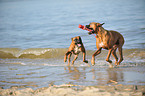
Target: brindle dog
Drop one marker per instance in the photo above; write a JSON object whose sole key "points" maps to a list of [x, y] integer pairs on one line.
{"points": [[110, 40], [75, 48]]}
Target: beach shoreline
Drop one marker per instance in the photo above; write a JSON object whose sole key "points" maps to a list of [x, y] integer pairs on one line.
{"points": [[77, 90]]}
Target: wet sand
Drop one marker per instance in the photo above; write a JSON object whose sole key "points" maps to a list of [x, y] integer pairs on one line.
{"points": [[77, 90], [117, 84]]}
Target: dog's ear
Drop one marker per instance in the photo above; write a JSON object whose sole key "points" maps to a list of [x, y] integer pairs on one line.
{"points": [[102, 24], [71, 39], [80, 39]]}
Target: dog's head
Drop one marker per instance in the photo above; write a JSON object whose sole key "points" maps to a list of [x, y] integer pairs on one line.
{"points": [[94, 26], [77, 41]]}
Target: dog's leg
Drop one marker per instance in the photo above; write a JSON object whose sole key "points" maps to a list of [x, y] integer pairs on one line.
{"points": [[108, 60], [120, 53], [66, 54], [93, 56], [84, 57], [69, 58], [108, 56], [76, 56], [114, 54]]}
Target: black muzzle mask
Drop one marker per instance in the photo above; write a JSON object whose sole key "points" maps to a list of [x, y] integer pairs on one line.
{"points": [[77, 42]]}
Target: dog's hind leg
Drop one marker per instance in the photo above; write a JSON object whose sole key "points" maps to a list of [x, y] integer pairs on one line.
{"points": [[76, 56], [114, 54], [120, 53], [121, 42]]}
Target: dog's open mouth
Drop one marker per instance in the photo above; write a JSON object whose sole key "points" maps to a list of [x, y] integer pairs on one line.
{"points": [[88, 26], [79, 45], [92, 32]]}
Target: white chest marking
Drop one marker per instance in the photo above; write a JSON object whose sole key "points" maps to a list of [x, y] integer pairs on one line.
{"points": [[101, 44], [77, 50]]}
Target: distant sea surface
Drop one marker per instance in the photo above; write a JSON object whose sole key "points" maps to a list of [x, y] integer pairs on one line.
{"points": [[35, 34], [52, 23]]}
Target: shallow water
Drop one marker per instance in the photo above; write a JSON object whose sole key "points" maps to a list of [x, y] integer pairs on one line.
{"points": [[42, 76], [36, 34], [41, 68]]}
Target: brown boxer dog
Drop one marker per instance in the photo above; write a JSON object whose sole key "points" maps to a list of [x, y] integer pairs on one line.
{"points": [[107, 39], [75, 48]]}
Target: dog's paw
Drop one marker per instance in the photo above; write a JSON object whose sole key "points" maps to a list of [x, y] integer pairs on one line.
{"points": [[111, 66], [93, 62], [72, 62], [116, 63], [109, 61], [86, 61], [64, 60]]}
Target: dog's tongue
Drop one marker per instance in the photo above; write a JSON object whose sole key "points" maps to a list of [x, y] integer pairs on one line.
{"points": [[79, 45]]}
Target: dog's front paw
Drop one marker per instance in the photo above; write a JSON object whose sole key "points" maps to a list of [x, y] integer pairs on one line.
{"points": [[65, 60], [86, 61], [108, 60]]}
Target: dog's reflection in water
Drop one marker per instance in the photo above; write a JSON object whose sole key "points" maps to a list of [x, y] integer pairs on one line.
{"points": [[94, 75]]}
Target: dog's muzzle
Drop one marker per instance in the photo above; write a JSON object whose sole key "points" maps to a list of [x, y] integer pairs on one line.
{"points": [[78, 43], [92, 32]]}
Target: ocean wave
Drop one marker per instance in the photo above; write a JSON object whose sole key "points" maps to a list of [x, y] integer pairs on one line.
{"points": [[31, 52], [45, 53]]}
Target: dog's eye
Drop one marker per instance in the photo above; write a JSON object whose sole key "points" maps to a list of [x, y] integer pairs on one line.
{"points": [[75, 40]]}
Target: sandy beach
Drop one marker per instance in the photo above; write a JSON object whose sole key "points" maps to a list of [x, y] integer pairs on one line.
{"points": [[77, 90]]}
